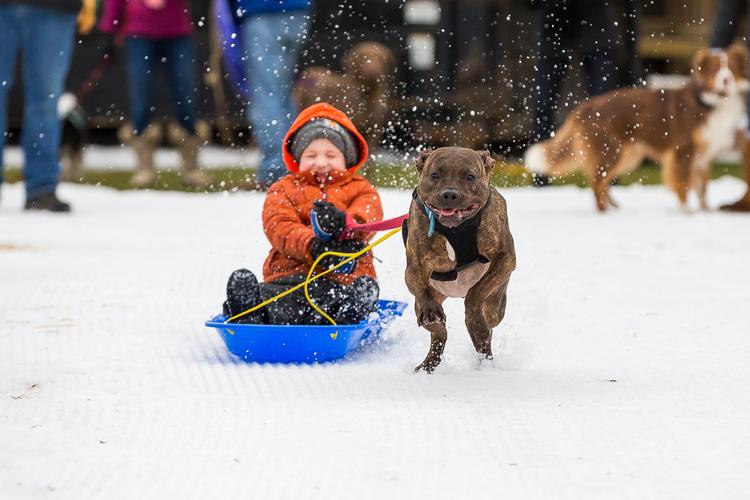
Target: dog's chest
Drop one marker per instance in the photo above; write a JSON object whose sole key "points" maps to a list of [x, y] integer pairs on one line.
{"points": [[719, 130], [464, 279]]}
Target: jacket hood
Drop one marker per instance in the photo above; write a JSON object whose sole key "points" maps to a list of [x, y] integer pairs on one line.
{"points": [[323, 110]]}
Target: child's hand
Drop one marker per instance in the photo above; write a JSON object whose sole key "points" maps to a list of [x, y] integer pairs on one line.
{"points": [[328, 222], [319, 247]]}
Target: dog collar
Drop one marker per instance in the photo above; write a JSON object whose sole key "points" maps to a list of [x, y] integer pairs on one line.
{"points": [[427, 211]]}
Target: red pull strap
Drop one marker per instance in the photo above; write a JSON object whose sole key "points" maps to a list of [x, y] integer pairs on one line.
{"points": [[352, 226]]}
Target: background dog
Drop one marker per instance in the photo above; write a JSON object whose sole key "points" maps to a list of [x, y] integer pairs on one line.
{"points": [[363, 90], [458, 244], [683, 129]]}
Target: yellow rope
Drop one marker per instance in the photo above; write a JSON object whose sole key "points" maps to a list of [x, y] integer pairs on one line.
{"points": [[350, 257]]}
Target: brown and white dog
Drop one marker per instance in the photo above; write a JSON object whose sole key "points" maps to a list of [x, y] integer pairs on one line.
{"points": [[364, 90], [682, 129], [458, 244]]}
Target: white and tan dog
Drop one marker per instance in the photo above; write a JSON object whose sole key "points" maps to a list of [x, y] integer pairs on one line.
{"points": [[682, 129]]}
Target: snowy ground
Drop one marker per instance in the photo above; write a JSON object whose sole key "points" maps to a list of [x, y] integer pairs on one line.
{"points": [[621, 370]]}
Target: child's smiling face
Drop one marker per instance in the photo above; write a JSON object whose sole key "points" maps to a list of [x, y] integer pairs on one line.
{"points": [[321, 158]]}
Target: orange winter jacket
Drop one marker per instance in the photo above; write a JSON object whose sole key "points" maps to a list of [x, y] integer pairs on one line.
{"points": [[286, 212]]}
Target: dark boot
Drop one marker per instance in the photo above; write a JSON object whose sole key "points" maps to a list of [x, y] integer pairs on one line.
{"points": [[743, 204], [243, 292], [540, 180], [358, 300], [47, 201]]}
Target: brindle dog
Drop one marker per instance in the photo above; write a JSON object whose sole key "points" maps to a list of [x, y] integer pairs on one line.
{"points": [[458, 244]]}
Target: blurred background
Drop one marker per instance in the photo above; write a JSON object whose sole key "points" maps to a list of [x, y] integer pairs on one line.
{"points": [[464, 71]]}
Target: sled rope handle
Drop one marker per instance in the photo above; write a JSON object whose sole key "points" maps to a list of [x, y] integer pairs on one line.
{"points": [[310, 278]]}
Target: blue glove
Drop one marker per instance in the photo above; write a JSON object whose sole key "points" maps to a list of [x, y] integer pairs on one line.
{"points": [[328, 222]]}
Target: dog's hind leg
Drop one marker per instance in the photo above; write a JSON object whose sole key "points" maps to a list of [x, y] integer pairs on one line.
{"points": [[602, 162], [676, 173], [596, 171], [494, 307], [600, 186], [482, 316], [629, 158]]}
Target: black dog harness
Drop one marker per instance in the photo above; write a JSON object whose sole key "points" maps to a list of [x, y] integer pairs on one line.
{"points": [[463, 239]]}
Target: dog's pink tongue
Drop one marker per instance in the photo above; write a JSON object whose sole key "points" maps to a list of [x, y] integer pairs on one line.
{"points": [[447, 212]]}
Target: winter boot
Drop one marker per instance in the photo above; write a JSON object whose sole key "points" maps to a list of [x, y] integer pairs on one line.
{"points": [[144, 145], [48, 202], [243, 292], [743, 204], [360, 299], [189, 146]]}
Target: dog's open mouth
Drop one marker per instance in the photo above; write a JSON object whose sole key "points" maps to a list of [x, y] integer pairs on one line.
{"points": [[452, 217]]}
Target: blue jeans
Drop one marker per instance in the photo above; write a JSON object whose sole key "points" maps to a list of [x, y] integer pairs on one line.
{"points": [[144, 55], [270, 44], [45, 38]]}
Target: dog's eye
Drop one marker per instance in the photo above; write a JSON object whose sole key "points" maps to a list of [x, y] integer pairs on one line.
{"points": [[471, 178], [434, 176]]}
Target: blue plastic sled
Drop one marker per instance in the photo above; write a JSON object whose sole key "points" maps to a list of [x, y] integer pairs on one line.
{"points": [[231, 46], [302, 343]]}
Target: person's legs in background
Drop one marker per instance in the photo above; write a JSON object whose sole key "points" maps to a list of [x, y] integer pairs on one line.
{"points": [[743, 204], [9, 36], [601, 72], [271, 43], [180, 66], [140, 57], [47, 46], [178, 53], [140, 64], [551, 67]]}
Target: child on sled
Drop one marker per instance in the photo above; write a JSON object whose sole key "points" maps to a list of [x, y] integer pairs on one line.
{"points": [[304, 215]]}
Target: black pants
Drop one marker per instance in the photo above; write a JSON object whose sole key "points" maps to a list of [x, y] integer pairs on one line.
{"points": [[346, 304], [600, 69]]}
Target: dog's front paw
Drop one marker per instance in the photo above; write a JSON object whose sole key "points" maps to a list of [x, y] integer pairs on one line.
{"points": [[428, 365], [431, 313]]}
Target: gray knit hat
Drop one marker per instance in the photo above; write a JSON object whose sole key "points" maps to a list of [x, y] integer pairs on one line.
{"points": [[325, 128]]}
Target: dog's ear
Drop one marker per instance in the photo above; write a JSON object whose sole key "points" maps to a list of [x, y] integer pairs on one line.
{"points": [[699, 61], [487, 161], [422, 158], [739, 56], [738, 48]]}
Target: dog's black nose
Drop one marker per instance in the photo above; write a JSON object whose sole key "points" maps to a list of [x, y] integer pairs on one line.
{"points": [[451, 195]]}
